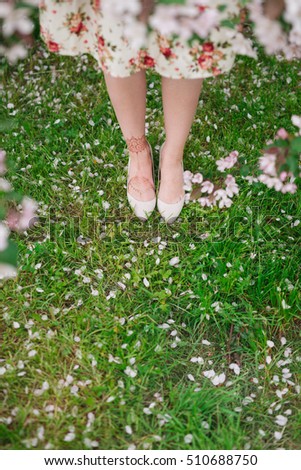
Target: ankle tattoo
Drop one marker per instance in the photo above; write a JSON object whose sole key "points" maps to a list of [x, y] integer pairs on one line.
{"points": [[137, 144]]}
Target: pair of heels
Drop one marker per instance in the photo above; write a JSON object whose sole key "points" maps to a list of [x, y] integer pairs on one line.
{"points": [[143, 209]]}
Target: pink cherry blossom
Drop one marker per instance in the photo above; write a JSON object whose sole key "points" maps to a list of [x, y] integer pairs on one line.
{"points": [[197, 178], [289, 188], [28, 215], [228, 162], [207, 187], [296, 120], [222, 197], [204, 202], [4, 234], [3, 168], [231, 186], [267, 164], [282, 133]]}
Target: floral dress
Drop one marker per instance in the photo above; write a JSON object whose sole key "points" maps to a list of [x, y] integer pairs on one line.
{"points": [[74, 27]]}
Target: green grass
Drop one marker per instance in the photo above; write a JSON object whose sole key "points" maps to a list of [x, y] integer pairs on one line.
{"points": [[237, 307]]}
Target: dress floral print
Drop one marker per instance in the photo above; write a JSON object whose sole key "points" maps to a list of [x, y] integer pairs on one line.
{"points": [[75, 21], [74, 27]]}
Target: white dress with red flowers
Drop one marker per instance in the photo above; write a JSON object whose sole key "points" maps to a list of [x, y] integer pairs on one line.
{"points": [[73, 27]]}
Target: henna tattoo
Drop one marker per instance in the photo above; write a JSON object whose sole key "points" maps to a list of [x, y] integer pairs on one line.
{"points": [[137, 144], [149, 184]]}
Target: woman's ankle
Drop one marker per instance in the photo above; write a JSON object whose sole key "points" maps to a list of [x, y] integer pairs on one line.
{"points": [[137, 144], [172, 152]]}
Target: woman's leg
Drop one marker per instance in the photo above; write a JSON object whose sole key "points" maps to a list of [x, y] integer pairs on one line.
{"points": [[128, 98], [180, 100]]}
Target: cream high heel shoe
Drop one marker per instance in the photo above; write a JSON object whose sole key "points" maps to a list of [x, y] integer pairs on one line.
{"points": [[142, 209], [169, 211]]}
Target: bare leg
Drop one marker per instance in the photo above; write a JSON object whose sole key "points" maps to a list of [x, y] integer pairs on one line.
{"points": [[128, 98], [180, 100]]}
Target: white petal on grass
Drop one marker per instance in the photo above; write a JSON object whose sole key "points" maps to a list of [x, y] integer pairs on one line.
{"points": [[32, 353], [130, 372], [268, 359], [283, 340], [146, 282], [105, 205], [219, 379], [191, 378], [270, 344], [164, 326], [280, 393], [74, 389], [287, 352], [121, 285], [89, 443], [278, 435], [198, 359], [128, 430], [69, 379], [40, 433], [45, 386], [69, 437], [188, 438], [207, 343], [247, 400], [174, 261], [235, 367], [16, 324], [110, 399], [209, 373], [285, 306], [281, 420]]}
